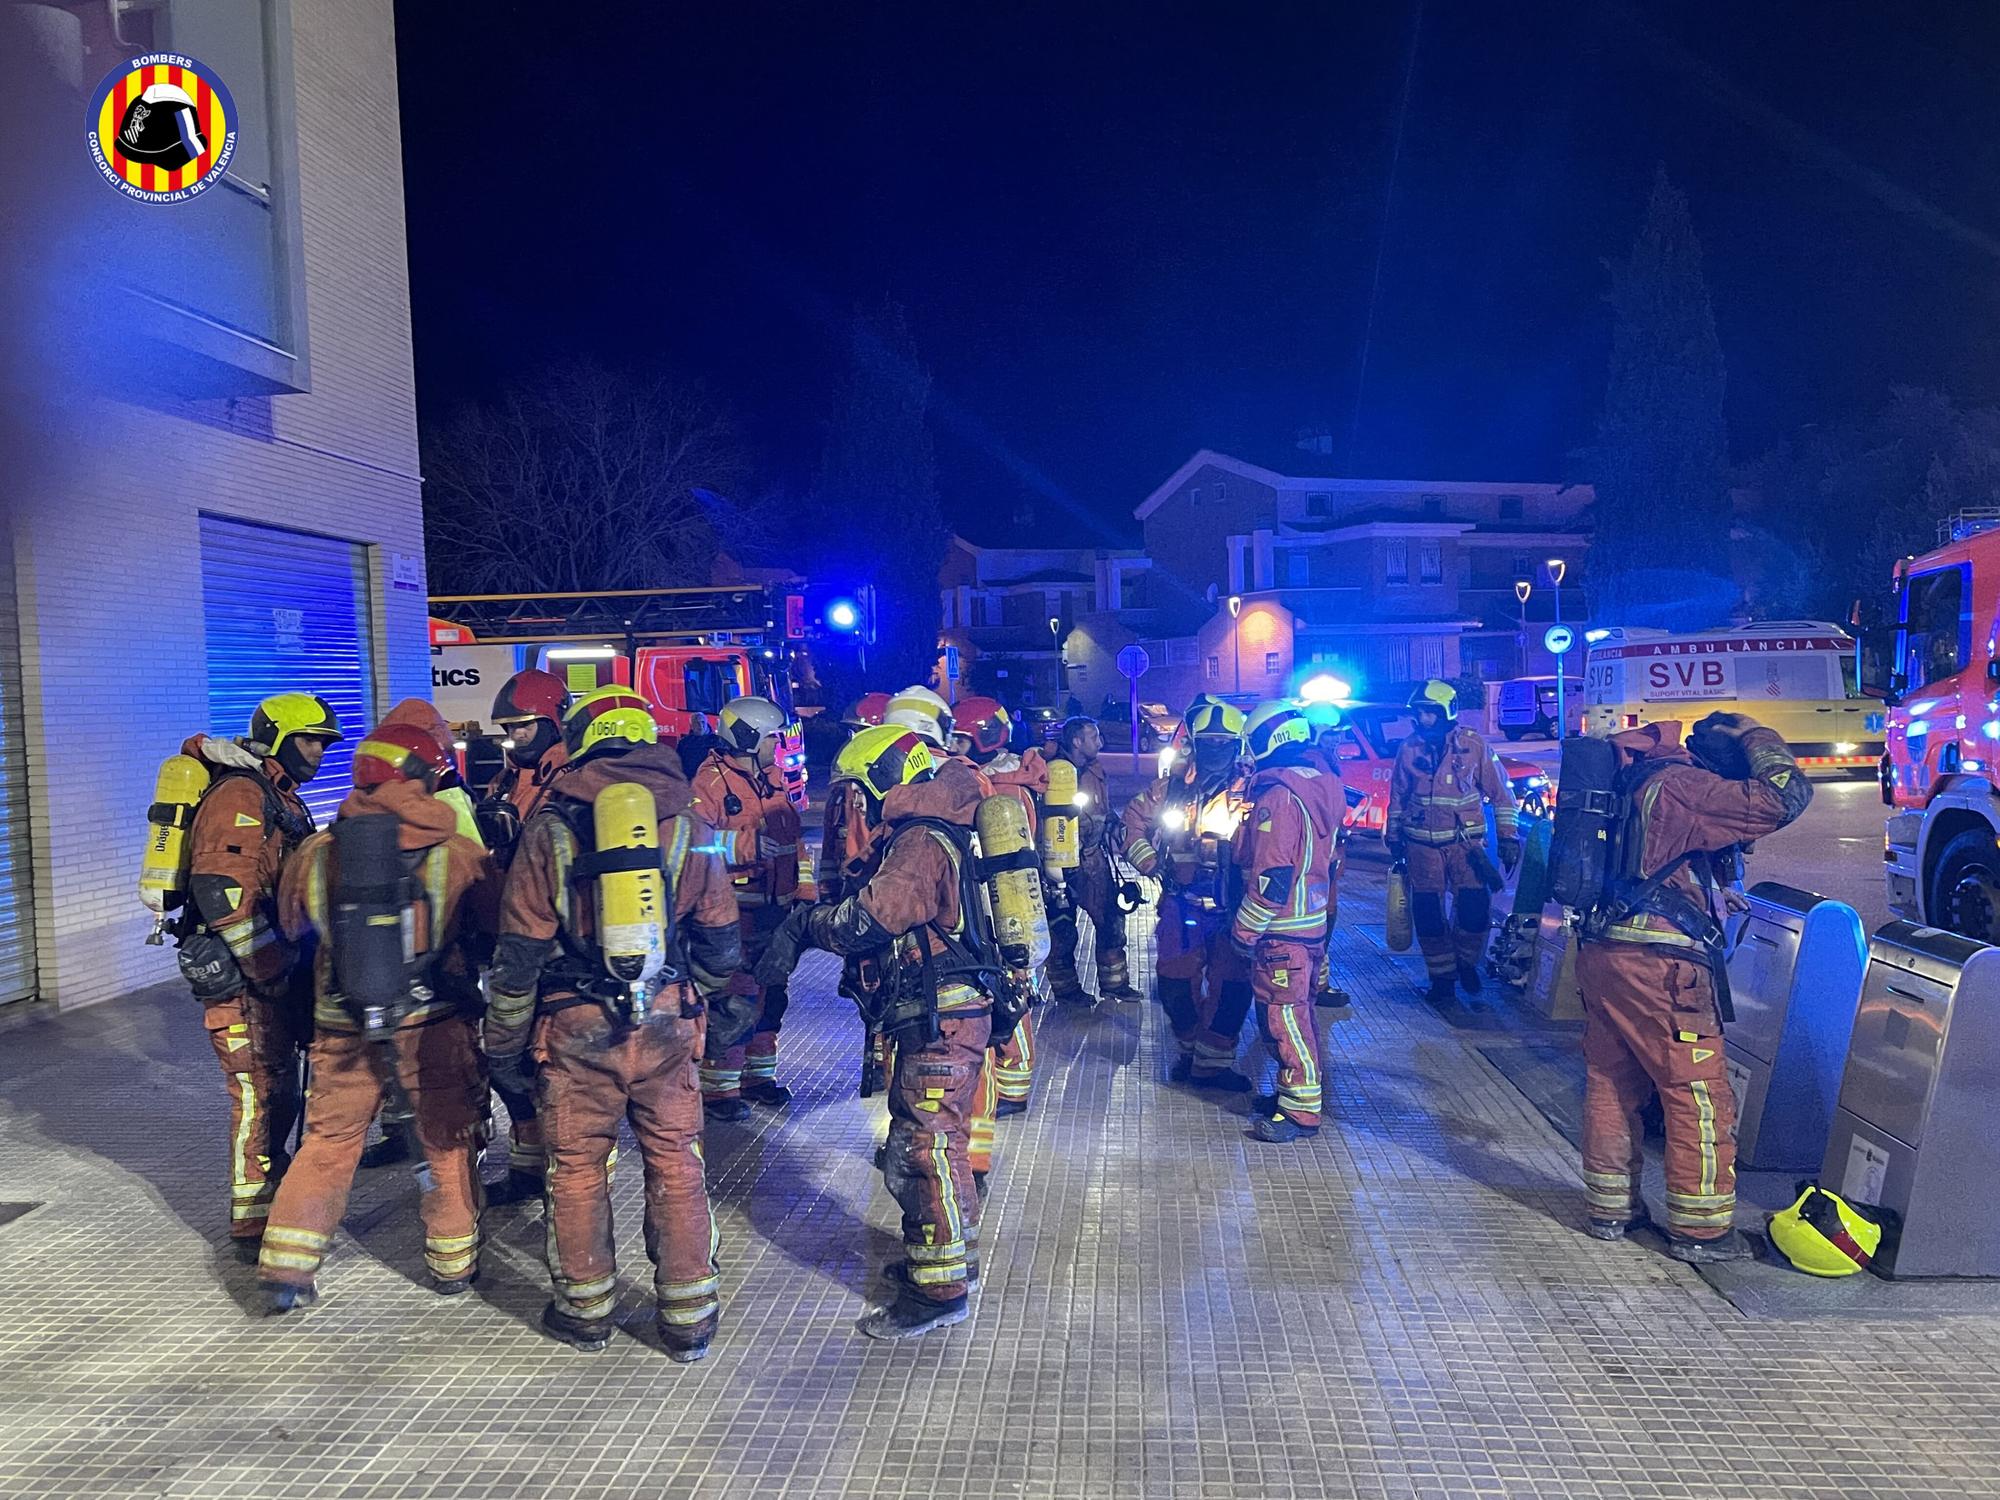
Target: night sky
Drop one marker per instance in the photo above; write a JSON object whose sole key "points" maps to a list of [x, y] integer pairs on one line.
{"points": [[1125, 231]]}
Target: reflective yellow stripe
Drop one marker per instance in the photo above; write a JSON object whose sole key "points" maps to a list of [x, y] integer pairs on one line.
{"points": [[239, 1155], [680, 1290], [1705, 1132], [289, 1260], [689, 1315], [285, 1234]]}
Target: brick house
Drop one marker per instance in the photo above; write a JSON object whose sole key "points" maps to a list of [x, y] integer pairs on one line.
{"points": [[246, 518], [1387, 580]]}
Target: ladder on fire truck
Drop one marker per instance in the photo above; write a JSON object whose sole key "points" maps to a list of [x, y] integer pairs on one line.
{"points": [[750, 614]]}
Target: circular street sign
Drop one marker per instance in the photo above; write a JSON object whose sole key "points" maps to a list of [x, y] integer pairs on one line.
{"points": [[1559, 638], [1133, 661]]}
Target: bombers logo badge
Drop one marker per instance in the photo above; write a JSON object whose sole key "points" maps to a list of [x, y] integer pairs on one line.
{"points": [[162, 128]]}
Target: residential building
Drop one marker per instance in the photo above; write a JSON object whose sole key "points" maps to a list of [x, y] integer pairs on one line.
{"points": [[213, 489], [1387, 581]]}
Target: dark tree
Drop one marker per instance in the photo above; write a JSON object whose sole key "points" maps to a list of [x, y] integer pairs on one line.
{"points": [[1662, 517], [584, 478], [875, 512]]}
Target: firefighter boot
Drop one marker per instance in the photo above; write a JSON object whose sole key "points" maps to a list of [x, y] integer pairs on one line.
{"points": [[1443, 993], [280, 1298], [1469, 978], [910, 1315], [1227, 1078], [1114, 979], [768, 1092], [1724, 1247], [726, 1110], [685, 1346], [1281, 1130], [1617, 1229], [591, 1337]]}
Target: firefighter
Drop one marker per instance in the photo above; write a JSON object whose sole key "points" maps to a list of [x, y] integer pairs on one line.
{"points": [[397, 772], [552, 1010], [242, 969], [1445, 774], [1180, 829], [421, 713], [981, 732], [529, 710], [734, 790], [1092, 887], [865, 712], [1651, 1022], [915, 926], [1285, 848], [923, 712]]}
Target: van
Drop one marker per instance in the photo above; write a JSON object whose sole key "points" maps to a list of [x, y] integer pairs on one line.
{"points": [[1528, 706], [1795, 676]]}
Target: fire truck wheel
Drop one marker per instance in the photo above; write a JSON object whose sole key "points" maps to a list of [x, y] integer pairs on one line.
{"points": [[1965, 894]]}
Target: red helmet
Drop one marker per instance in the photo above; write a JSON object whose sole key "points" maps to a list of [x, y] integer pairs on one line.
{"points": [[983, 721], [866, 711], [398, 752], [533, 694]]}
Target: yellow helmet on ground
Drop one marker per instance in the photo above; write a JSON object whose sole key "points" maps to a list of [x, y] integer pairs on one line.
{"points": [[1823, 1234], [611, 717], [883, 758], [1210, 718], [1273, 726], [1440, 697]]}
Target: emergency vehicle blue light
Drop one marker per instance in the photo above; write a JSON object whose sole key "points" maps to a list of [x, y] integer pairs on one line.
{"points": [[1326, 688], [1594, 636], [843, 614]]}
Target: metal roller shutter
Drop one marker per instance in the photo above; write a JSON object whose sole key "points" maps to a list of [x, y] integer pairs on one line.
{"points": [[17, 906], [286, 611]]}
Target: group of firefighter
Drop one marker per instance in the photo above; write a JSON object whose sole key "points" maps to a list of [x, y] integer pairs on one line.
{"points": [[637, 918]]}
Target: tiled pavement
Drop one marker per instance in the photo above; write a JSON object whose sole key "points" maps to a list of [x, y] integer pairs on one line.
{"points": [[1402, 1307]]}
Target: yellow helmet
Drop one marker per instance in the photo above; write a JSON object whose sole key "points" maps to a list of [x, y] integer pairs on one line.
{"points": [[1208, 717], [883, 758], [1274, 725], [1823, 1234], [614, 717], [751, 727], [284, 719], [1440, 697]]}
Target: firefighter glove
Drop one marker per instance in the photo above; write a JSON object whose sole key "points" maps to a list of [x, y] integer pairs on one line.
{"points": [[731, 1019], [1510, 854], [781, 955], [513, 1073], [209, 967]]}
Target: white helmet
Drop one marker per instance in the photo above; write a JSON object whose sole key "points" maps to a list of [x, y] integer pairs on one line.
{"points": [[923, 712], [750, 727]]}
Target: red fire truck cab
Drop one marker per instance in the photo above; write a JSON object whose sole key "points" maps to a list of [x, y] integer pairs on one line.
{"points": [[1941, 847], [686, 651]]}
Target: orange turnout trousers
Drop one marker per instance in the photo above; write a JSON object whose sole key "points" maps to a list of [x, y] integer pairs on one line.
{"points": [[595, 1073], [932, 1098], [439, 1064]]}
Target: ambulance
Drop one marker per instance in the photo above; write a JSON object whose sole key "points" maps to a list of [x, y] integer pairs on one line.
{"points": [[1796, 676]]}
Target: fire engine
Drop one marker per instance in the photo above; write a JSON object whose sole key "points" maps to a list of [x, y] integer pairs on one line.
{"points": [[688, 651], [1941, 858]]}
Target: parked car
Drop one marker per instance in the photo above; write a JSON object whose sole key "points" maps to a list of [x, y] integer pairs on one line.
{"points": [[1366, 742], [1528, 706], [1156, 725]]}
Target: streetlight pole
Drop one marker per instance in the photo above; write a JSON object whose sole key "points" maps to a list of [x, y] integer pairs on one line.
{"points": [[1557, 567], [1236, 639], [1062, 676], [1523, 588]]}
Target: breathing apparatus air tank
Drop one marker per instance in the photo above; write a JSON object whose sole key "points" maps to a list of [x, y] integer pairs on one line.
{"points": [[1009, 866], [164, 867], [631, 892], [1397, 931], [1059, 821], [374, 931]]}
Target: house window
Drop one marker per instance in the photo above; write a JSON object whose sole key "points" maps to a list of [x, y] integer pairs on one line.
{"points": [[1214, 667], [1194, 494], [1430, 561], [1524, 566], [1319, 505], [1270, 661], [1427, 657], [1298, 568], [1399, 561], [1510, 507], [1433, 507], [1221, 493]]}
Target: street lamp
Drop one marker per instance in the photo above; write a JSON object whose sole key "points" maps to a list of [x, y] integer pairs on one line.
{"points": [[1523, 588], [1557, 567], [1062, 676], [1236, 640]]}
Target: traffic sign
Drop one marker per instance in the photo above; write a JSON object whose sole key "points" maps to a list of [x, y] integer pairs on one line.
{"points": [[1559, 638], [1134, 662], [951, 662]]}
